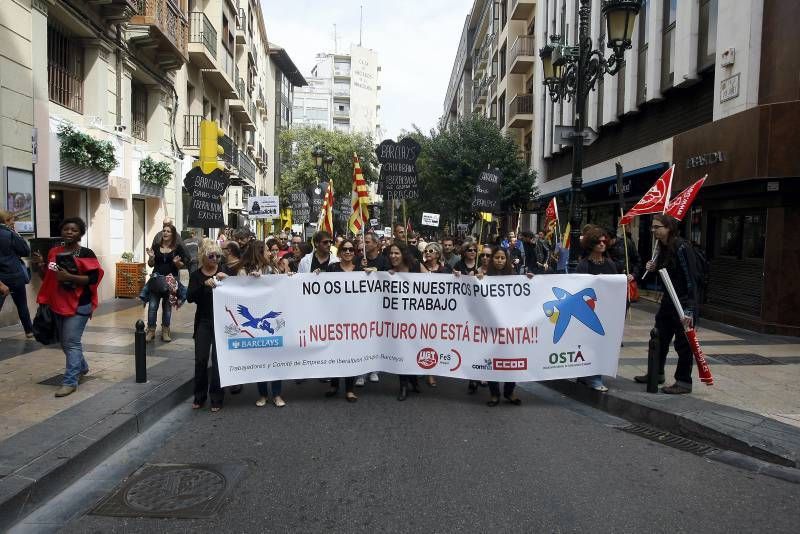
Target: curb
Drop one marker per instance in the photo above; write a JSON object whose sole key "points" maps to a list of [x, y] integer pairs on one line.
{"points": [[39, 462], [725, 427]]}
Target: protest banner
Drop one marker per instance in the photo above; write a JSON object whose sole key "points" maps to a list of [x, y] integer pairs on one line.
{"points": [[398, 178], [206, 190], [505, 328], [430, 219], [265, 207], [487, 192]]}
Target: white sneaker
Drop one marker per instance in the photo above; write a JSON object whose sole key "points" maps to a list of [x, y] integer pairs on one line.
{"points": [[360, 381], [373, 377]]}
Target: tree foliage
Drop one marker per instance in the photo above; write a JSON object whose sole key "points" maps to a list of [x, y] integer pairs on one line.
{"points": [[452, 159], [297, 164]]}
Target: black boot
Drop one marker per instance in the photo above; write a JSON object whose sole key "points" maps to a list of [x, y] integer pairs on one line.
{"points": [[414, 384], [403, 393]]}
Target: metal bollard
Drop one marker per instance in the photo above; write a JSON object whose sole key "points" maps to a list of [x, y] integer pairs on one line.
{"points": [[652, 362], [140, 355]]}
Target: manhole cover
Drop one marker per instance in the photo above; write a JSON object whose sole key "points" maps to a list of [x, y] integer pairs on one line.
{"points": [[59, 379], [743, 359], [172, 491]]}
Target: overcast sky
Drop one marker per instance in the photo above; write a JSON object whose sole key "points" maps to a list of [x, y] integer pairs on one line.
{"points": [[416, 42]]}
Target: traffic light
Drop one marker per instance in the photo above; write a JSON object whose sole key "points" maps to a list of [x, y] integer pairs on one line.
{"points": [[210, 150]]}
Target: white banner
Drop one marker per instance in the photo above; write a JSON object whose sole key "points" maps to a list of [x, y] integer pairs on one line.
{"points": [[504, 328], [430, 219], [264, 207]]}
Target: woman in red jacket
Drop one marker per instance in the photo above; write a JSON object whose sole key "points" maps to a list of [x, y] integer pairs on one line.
{"points": [[69, 287]]}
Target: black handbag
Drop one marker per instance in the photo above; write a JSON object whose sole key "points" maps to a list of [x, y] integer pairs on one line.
{"points": [[158, 285], [45, 330]]}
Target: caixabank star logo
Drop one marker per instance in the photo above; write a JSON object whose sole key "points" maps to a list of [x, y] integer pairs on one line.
{"points": [[259, 329], [568, 306]]}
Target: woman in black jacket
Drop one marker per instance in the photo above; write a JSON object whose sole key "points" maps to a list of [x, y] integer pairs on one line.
{"points": [[674, 256], [402, 260], [201, 284], [13, 272]]}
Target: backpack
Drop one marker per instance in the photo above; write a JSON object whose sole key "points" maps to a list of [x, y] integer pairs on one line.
{"points": [[699, 267]]}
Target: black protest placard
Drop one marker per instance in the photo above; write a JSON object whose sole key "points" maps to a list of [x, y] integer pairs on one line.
{"points": [[398, 168], [342, 209], [205, 207], [318, 197], [487, 192], [301, 210]]}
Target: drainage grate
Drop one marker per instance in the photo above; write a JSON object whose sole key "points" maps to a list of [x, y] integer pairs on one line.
{"points": [[668, 439], [743, 359], [185, 491], [59, 379]]}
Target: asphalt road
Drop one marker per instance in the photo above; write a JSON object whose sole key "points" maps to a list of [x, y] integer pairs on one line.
{"points": [[445, 462]]}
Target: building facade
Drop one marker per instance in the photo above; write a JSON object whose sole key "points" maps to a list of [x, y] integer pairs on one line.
{"points": [[343, 93], [138, 75]]}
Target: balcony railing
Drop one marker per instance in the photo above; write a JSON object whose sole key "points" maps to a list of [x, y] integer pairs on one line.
{"points": [[240, 89], [202, 31], [170, 21], [247, 169], [521, 105], [231, 152], [228, 64], [252, 109], [525, 45], [341, 91], [191, 131]]}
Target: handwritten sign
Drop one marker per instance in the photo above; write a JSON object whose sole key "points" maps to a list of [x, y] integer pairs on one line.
{"points": [[399, 168], [301, 211], [205, 206], [487, 192]]}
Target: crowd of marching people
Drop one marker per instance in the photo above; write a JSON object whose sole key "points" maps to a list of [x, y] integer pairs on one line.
{"points": [[71, 273]]}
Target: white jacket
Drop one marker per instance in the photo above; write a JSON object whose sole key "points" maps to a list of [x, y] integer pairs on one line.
{"points": [[305, 264]]}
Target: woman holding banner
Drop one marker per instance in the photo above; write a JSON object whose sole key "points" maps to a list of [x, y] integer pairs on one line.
{"points": [[469, 259], [434, 264], [201, 284], [500, 265], [402, 260], [673, 254], [346, 264], [258, 261]]}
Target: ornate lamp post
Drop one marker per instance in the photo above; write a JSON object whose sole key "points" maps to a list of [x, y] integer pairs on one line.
{"points": [[572, 71]]}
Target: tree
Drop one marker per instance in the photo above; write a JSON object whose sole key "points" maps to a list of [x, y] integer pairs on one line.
{"points": [[297, 164], [453, 157]]}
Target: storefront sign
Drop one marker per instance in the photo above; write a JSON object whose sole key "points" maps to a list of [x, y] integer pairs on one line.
{"points": [[702, 160], [504, 328], [266, 207], [729, 88], [398, 168]]}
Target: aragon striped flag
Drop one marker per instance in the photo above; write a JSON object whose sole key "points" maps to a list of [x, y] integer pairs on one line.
{"points": [[359, 199], [326, 214]]}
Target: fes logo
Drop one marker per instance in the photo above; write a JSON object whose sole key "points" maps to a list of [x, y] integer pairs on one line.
{"points": [[580, 306]]}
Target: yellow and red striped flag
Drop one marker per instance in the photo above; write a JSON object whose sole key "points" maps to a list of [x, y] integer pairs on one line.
{"points": [[359, 199], [326, 214]]}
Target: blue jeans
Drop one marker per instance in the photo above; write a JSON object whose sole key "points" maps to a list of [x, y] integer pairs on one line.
{"points": [[152, 311], [592, 381], [17, 291], [70, 332], [276, 385]]}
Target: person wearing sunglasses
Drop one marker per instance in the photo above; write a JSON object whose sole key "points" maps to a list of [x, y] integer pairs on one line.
{"points": [[596, 261], [469, 259], [201, 284], [346, 264], [485, 259], [321, 257], [433, 259]]}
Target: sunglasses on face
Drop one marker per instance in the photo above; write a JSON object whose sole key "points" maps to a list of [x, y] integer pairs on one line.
{"points": [[213, 256], [472, 250], [486, 255], [348, 249], [430, 252]]}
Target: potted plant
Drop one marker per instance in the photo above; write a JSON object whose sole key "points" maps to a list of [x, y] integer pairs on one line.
{"points": [[131, 277], [83, 150], [154, 176]]}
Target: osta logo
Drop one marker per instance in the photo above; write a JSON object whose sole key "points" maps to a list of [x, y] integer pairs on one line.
{"points": [[427, 358]]}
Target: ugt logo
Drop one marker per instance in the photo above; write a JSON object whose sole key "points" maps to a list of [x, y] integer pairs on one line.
{"points": [[580, 305]]}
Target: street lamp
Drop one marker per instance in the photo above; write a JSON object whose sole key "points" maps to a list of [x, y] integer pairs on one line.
{"points": [[572, 71]]}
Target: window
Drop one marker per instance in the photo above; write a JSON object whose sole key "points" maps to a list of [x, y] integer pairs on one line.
{"points": [[707, 35], [668, 44], [503, 13], [501, 110], [503, 62], [64, 69], [138, 112], [641, 71], [741, 235]]}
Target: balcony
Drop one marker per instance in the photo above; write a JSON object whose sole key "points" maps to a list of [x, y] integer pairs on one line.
{"points": [[231, 152], [523, 54], [241, 27], [160, 29], [202, 41], [252, 52], [247, 169], [238, 105], [260, 101], [341, 70], [522, 9], [341, 113], [520, 111], [116, 11], [341, 92], [223, 74], [191, 131]]}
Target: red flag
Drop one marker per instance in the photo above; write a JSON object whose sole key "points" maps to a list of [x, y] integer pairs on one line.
{"points": [[409, 228], [551, 218], [703, 370], [655, 200], [679, 206]]}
